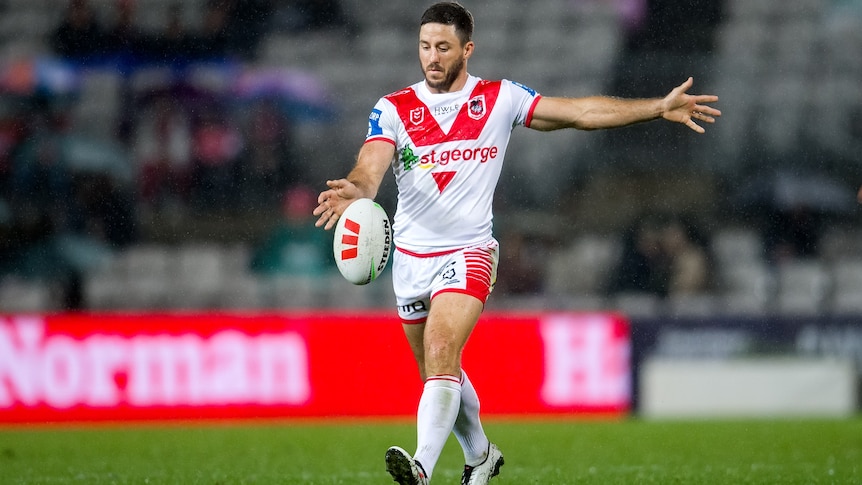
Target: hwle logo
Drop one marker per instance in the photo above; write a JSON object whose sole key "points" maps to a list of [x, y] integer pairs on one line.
{"points": [[350, 239], [445, 110]]}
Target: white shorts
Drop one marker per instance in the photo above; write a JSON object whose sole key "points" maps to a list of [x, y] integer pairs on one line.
{"points": [[418, 278]]}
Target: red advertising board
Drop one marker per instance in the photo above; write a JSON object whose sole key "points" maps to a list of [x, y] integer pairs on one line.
{"points": [[109, 367]]}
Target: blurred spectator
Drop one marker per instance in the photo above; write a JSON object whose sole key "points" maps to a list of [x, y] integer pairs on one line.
{"points": [[78, 36], [102, 210], [643, 266], [175, 42], [522, 272], [12, 133], [791, 233], [247, 22], [65, 221], [267, 166], [230, 27], [295, 247], [163, 153], [664, 255], [686, 254], [39, 175], [665, 22], [233, 27], [309, 15], [100, 219], [211, 42], [216, 145], [123, 38]]}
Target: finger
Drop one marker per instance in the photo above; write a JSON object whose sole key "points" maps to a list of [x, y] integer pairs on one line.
{"points": [[331, 222], [705, 98], [694, 126], [327, 220], [707, 110], [703, 117], [687, 84], [323, 205]]}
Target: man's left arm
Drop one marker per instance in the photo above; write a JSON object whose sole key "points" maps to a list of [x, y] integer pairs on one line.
{"points": [[601, 112]]}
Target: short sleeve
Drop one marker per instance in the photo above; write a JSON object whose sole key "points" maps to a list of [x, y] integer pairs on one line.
{"points": [[382, 122], [524, 101]]}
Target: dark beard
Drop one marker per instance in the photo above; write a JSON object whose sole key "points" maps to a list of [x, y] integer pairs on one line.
{"points": [[447, 81]]}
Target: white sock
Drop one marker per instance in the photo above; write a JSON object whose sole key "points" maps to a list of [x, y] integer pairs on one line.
{"points": [[438, 409], [468, 427]]}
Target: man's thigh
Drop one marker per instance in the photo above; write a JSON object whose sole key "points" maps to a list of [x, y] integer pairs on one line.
{"points": [[450, 322]]}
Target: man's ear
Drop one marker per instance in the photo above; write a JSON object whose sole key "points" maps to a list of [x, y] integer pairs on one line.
{"points": [[468, 49]]}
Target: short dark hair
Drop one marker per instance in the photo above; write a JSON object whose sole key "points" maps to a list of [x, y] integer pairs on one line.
{"points": [[450, 13]]}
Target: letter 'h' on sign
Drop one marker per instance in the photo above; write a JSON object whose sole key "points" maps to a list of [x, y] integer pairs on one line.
{"points": [[586, 361]]}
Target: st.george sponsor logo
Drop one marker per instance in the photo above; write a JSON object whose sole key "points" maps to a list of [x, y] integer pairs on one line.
{"points": [[444, 157], [106, 370]]}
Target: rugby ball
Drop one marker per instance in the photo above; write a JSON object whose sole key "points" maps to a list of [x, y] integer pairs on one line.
{"points": [[362, 241]]}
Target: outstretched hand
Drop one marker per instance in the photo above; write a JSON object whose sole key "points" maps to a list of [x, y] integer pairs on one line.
{"points": [[333, 202], [688, 109]]}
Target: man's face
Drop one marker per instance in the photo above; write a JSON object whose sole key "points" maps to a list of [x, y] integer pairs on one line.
{"points": [[442, 56]]}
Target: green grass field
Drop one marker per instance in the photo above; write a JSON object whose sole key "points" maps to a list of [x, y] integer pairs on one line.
{"points": [[344, 452]]}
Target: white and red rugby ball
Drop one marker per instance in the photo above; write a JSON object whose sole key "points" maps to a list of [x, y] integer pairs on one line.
{"points": [[362, 242]]}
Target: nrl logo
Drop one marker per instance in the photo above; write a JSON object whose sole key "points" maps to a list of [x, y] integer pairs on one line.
{"points": [[476, 106], [417, 116]]}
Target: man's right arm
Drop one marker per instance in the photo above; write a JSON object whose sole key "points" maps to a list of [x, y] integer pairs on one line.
{"points": [[363, 181]]}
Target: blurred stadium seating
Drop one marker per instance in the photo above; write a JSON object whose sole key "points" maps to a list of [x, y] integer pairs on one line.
{"points": [[788, 74]]}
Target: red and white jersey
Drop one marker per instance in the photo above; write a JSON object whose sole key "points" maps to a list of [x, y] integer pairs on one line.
{"points": [[449, 154]]}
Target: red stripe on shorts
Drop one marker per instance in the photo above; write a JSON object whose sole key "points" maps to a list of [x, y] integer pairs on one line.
{"points": [[479, 270], [479, 264]]}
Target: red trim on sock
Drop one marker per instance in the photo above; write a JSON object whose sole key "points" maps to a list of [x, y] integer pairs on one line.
{"points": [[444, 377]]}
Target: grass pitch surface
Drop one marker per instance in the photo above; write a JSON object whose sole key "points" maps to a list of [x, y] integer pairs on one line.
{"points": [[345, 452]]}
